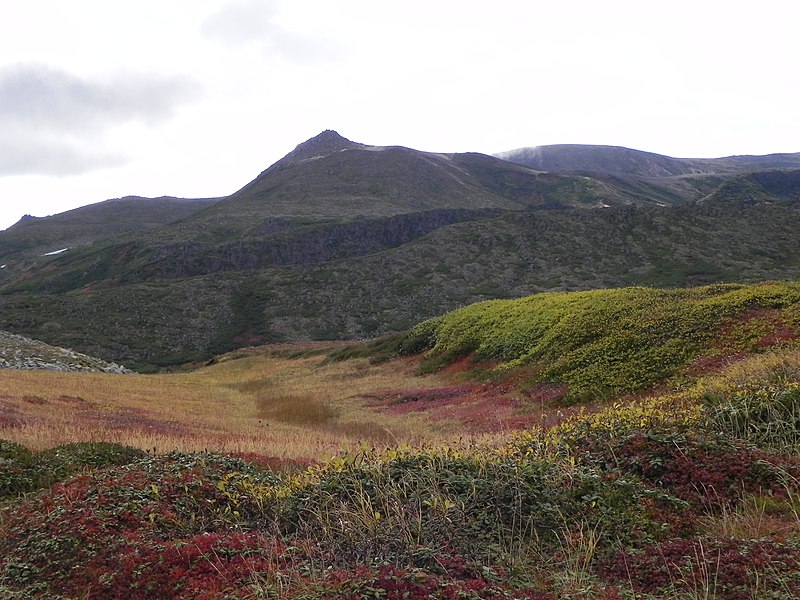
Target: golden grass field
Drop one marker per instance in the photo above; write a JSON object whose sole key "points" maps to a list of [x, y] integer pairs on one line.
{"points": [[288, 402], [250, 401]]}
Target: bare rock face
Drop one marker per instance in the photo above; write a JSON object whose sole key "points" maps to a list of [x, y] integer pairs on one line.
{"points": [[19, 352]]}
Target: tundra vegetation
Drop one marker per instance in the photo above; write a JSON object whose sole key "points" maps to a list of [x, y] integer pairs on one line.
{"points": [[614, 444]]}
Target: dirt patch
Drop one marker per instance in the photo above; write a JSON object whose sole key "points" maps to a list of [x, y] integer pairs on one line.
{"points": [[71, 401], [422, 399], [275, 463], [34, 400]]}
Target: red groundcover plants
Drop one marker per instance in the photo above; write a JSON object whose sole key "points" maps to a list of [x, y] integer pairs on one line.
{"points": [[656, 513]]}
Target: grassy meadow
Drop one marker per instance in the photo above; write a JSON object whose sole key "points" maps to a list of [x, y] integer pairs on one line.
{"points": [[251, 401], [609, 445]]}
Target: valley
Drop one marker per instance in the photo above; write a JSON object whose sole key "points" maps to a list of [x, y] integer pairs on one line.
{"points": [[562, 445]]}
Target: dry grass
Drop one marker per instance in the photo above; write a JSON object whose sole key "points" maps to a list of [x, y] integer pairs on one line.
{"points": [[778, 367], [758, 517], [249, 402]]}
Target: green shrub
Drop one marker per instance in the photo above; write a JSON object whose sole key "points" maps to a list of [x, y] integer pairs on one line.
{"points": [[22, 471], [16, 474], [420, 338], [414, 507], [15, 452], [602, 342], [767, 417]]}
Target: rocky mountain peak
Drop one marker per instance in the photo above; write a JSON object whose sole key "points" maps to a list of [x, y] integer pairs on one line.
{"points": [[326, 143]]}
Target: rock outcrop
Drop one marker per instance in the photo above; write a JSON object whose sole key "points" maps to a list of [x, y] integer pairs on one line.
{"points": [[19, 352]]}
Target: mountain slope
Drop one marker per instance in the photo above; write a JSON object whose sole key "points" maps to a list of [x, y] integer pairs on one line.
{"points": [[341, 240], [782, 187], [579, 158], [161, 322], [658, 178], [33, 236]]}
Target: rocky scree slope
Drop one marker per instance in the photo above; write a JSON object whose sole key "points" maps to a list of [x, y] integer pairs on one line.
{"points": [[19, 352]]}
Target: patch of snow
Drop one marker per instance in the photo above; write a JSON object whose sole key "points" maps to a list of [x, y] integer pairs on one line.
{"points": [[54, 252]]}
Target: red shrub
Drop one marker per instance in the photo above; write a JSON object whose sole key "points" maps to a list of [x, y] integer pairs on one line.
{"points": [[73, 537], [396, 583], [202, 567], [730, 568], [708, 473]]}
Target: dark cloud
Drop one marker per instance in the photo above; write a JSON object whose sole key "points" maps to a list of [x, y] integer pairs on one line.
{"points": [[254, 22], [41, 96], [52, 121]]}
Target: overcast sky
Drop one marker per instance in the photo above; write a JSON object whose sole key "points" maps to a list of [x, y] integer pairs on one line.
{"points": [[195, 98]]}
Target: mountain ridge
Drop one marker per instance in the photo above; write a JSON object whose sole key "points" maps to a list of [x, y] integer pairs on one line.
{"points": [[620, 159], [340, 239]]}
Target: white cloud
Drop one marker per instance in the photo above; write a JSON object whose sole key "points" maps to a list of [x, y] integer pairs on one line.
{"points": [[242, 21], [699, 79], [40, 96], [53, 122], [257, 22], [25, 152]]}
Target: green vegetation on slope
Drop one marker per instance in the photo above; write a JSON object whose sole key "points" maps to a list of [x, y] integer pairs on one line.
{"points": [[606, 342], [162, 321]]}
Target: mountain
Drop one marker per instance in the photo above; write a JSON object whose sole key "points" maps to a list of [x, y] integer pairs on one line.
{"points": [[330, 177], [34, 236], [328, 199], [662, 179], [339, 239], [580, 158]]}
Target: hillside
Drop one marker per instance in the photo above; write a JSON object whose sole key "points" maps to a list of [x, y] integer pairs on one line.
{"points": [[343, 240], [676, 478], [35, 236], [780, 187], [174, 320], [601, 344]]}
